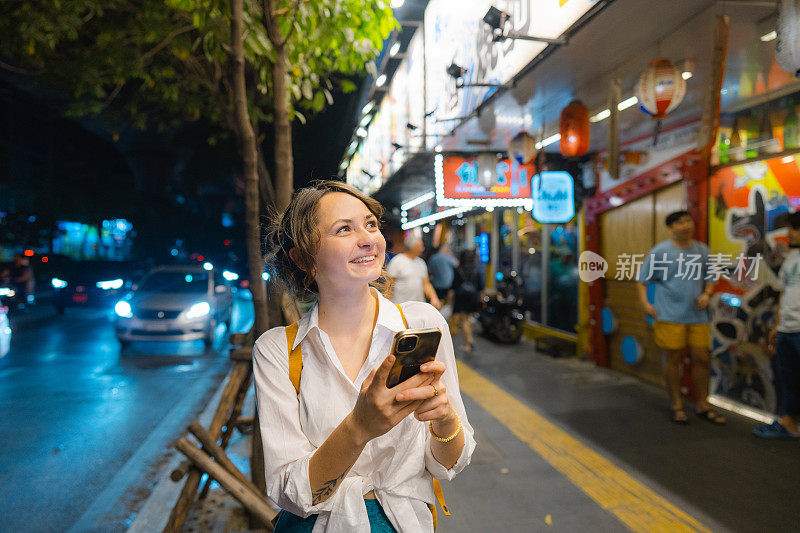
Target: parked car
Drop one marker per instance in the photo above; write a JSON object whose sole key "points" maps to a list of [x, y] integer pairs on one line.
{"points": [[175, 303], [5, 332], [91, 283]]}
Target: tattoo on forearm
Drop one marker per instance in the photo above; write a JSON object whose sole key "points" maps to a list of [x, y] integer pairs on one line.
{"points": [[326, 489]]}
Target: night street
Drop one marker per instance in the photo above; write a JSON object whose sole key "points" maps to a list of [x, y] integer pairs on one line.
{"points": [[76, 411], [399, 266]]}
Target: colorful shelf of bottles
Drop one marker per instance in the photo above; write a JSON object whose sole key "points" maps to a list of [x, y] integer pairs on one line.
{"points": [[768, 130]]}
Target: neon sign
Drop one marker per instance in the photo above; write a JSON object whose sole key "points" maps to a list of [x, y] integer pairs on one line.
{"points": [[553, 197], [458, 182]]}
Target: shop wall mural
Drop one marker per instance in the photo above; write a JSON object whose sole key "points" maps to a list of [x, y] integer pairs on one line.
{"points": [[748, 205]]}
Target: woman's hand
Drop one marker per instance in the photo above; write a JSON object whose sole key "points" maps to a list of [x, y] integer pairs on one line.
{"points": [[435, 406], [377, 408]]}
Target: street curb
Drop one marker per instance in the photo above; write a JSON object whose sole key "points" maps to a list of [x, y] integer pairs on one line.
{"points": [[153, 515]]}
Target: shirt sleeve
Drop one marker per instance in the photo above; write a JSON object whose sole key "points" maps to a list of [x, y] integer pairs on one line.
{"points": [[287, 450], [780, 282], [644, 272], [450, 380]]}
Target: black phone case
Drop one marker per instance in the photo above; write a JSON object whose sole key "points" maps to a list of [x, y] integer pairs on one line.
{"points": [[407, 364]]}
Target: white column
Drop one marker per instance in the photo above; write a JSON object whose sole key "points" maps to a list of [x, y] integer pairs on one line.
{"points": [[469, 234]]}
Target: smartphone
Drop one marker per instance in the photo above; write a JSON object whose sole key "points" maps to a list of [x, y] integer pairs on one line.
{"points": [[412, 348]]}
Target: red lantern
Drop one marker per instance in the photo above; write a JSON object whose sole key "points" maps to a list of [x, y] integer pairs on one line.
{"points": [[575, 129], [661, 88]]}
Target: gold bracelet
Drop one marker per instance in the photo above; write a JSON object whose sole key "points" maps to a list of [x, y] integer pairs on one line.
{"points": [[451, 437]]}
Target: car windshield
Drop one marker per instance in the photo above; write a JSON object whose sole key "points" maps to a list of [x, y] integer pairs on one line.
{"points": [[183, 282]]}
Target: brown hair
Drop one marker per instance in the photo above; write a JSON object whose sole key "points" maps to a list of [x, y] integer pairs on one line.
{"points": [[296, 228]]}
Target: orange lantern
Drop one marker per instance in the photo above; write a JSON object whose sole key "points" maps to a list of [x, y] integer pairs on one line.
{"points": [[575, 129]]}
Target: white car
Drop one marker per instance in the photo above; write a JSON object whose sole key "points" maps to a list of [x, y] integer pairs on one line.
{"points": [[175, 303], [5, 332]]}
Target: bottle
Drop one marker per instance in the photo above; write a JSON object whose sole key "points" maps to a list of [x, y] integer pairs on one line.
{"points": [[791, 129], [723, 148], [736, 150], [769, 144], [752, 143]]}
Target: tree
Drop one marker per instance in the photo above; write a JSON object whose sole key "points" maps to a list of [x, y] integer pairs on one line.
{"points": [[160, 63]]}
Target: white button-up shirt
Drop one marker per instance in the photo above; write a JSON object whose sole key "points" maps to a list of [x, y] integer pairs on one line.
{"points": [[398, 465]]}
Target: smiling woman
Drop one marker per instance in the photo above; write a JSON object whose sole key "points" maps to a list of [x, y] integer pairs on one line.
{"points": [[316, 426], [299, 229]]}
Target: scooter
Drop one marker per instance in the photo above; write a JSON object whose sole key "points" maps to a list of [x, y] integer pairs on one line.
{"points": [[501, 317]]}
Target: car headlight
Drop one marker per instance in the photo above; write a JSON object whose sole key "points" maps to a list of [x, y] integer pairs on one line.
{"points": [[198, 310], [230, 276], [58, 283], [5, 291], [112, 284], [123, 309]]}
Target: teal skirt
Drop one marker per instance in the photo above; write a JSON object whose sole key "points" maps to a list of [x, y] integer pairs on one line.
{"points": [[378, 521]]}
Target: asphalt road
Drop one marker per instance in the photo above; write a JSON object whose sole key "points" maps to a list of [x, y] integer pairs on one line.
{"points": [[84, 427]]}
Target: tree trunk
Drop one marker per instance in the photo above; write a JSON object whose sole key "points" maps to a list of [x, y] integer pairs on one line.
{"points": [[284, 167], [265, 188], [249, 156]]}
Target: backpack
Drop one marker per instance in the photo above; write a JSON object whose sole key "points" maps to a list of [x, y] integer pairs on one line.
{"points": [[296, 368]]}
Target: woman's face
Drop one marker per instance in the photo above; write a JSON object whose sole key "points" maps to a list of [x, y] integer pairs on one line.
{"points": [[352, 248]]}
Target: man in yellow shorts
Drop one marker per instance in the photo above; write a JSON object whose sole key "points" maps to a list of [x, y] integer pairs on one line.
{"points": [[678, 267]]}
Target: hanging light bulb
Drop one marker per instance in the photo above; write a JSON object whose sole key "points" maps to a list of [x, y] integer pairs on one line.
{"points": [[487, 170]]}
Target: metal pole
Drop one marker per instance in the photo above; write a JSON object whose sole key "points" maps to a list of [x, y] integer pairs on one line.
{"points": [[469, 234], [545, 269], [515, 244], [548, 40], [494, 249]]}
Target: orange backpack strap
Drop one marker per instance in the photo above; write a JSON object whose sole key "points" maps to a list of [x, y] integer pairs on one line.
{"points": [[437, 487], [295, 356], [402, 315]]}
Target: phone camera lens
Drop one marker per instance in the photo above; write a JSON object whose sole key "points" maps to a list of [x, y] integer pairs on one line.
{"points": [[406, 344]]}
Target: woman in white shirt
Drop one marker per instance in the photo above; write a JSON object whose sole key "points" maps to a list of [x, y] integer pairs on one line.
{"points": [[344, 452]]}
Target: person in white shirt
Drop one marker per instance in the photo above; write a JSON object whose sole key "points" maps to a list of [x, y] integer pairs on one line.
{"points": [[409, 274], [784, 340], [344, 452]]}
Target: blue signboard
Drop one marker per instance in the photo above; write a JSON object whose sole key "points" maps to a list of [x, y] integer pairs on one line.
{"points": [[482, 242], [553, 195]]}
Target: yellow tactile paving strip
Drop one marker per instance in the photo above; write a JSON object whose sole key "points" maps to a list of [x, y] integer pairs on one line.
{"points": [[634, 504]]}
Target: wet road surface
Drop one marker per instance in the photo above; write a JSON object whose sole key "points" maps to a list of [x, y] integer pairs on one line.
{"points": [[74, 409]]}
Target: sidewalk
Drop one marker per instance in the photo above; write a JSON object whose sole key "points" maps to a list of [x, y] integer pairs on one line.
{"points": [[564, 445]]}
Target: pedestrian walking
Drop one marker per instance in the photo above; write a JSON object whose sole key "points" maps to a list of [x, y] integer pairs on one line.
{"points": [[442, 266], [678, 267], [409, 274], [342, 451], [467, 289], [784, 340]]}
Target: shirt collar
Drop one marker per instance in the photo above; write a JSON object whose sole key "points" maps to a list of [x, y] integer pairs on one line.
{"points": [[389, 317]]}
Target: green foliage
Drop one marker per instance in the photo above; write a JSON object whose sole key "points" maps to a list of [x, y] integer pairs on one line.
{"points": [[165, 62]]}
